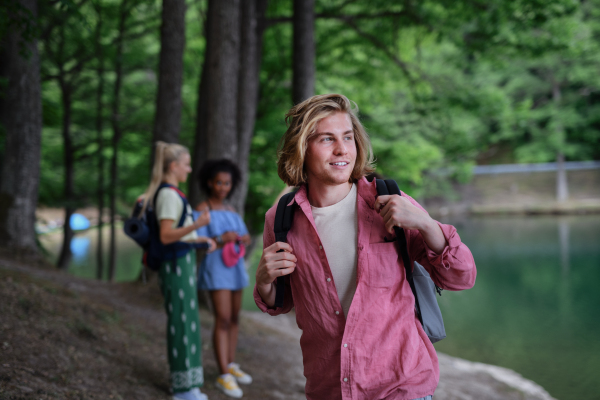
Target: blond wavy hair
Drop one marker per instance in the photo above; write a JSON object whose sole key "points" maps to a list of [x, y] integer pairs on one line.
{"points": [[302, 120], [164, 155]]}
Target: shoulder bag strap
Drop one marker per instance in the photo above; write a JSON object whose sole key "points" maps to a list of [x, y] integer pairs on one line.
{"points": [[181, 196], [184, 213], [284, 216], [389, 186]]}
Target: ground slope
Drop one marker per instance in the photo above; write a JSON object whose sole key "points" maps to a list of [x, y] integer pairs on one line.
{"points": [[63, 337]]}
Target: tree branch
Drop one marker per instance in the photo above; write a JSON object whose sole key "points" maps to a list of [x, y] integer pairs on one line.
{"points": [[140, 34], [49, 77], [380, 45], [341, 17]]}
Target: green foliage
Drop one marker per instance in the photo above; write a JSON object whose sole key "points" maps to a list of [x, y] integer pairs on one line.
{"points": [[440, 85], [74, 49]]}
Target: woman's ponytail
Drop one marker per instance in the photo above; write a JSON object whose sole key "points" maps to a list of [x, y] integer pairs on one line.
{"points": [[164, 155]]}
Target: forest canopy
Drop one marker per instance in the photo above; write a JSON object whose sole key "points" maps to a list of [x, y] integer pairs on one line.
{"points": [[440, 85]]}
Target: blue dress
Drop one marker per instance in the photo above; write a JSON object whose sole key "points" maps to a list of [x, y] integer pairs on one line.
{"points": [[213, 274]]}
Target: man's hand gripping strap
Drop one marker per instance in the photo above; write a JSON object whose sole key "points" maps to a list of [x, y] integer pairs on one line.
{"points": [[283, 223]]}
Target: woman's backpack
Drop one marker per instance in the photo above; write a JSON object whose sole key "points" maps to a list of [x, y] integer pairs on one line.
{"points": [[145, 230]]}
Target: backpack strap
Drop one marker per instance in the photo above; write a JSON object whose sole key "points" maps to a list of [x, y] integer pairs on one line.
{"points": [[284, 216], [389, 186], [179, 248], [181, 195]]}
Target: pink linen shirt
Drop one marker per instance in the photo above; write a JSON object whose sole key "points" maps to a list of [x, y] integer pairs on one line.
{"points": [[380, 350]]}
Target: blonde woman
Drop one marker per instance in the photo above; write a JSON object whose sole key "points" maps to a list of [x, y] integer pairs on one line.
{"points": [[177, 273]]}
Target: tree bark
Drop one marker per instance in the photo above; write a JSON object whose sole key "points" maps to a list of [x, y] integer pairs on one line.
{"points": [[65, 252], [223, 65], [100, 139], [252, 28], [167, 122], [21, 119], [66, 91], [117, 134], [303, 85], [200, 151]]}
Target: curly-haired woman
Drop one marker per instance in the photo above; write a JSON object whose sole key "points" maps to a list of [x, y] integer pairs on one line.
{"points": [[223, 273]]}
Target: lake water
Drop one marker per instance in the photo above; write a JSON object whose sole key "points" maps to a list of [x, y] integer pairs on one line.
{"points": [[535, 307], [83, 247]]}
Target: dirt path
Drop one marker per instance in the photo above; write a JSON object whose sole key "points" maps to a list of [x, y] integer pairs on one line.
{"points": [[63, 337]]}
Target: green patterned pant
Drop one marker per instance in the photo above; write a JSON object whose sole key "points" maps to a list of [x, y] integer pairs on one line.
{"points": [[178, 285]]}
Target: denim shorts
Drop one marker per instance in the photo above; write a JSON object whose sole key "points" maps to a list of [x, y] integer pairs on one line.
{"points": [[425, 398]]}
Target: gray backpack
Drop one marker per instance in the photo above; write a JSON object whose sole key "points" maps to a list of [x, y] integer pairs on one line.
{"points": [[420, 282]]}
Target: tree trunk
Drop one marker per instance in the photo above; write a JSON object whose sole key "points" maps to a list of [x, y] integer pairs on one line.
{"points": [[116, 126], [223, 65], [167, 122], [112, 261], [200, 151], [21, 119], [252, 28], [303, 85], [65, 252], [100, 139]]}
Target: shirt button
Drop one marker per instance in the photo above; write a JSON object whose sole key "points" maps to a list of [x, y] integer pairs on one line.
{"points": [[345, 344], [337, 313], [345, 379], [328, 279], [321, 247]]}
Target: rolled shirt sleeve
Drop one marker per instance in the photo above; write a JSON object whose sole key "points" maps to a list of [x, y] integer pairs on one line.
{"points": [[452, 269]]}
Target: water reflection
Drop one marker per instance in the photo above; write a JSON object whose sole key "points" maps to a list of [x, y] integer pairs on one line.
{"points": [[534, 306], [83, 247], [80, 247], [564, 293], [563, 235]]}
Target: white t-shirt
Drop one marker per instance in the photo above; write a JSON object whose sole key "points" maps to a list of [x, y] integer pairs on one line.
{"points": [[170, 206], [338, 229]]}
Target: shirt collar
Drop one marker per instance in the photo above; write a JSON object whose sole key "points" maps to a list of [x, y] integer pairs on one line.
{"points": [[367, 190]]}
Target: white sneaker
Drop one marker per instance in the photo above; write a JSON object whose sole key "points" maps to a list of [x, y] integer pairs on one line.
{"points": [[199, 394], [193, 394], [239, 375], [229, 386]]}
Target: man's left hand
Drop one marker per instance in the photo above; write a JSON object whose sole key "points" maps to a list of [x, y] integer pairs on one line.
{"points": [[399, 211]]}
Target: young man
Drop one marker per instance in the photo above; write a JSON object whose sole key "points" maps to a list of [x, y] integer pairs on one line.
{"points": [[361, 337]]}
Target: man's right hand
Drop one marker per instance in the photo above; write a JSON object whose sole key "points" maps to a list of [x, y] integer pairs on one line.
{"points": [[272, 265]]}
